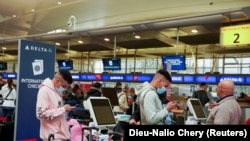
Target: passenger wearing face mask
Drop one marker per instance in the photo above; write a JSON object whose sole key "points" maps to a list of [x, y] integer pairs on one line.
{"points": [[118, 87], [50, 109], [151, 110]]}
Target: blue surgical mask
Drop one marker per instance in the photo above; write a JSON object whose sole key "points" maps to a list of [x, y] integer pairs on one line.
{"points": [[161, 90], [60, 90]]}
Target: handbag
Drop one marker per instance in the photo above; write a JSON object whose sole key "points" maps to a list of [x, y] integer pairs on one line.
{"points": [[6, 96]]}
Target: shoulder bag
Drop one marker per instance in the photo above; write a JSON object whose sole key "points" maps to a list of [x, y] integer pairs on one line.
{"points": [[6, 96]]}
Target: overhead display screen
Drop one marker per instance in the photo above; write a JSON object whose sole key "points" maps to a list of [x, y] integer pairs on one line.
{"points": [[235, 78], [9, 75], [177, 78], [142, 78], [206, 79], [3, 66], [76, 76], [111, 64], [112, 77], [188, 79], [66, 64], [247, 80], [177, 62], [91, 77]]}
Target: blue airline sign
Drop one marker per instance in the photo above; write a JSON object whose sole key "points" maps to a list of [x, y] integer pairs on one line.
{"points": [[181, 79], [237, 79]]}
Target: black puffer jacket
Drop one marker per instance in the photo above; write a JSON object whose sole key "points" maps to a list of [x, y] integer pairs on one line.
{"points": [[93, 92]]}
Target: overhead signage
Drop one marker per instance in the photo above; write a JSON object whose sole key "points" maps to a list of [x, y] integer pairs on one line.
{"points": [[235, 78], [111, 64], [205, 78], [247, 80], [188, 79], [183, 78], [112, 77], [34, 59], [177, 62], [177, 78], [235, 35], [76, 76], [142, 78], [9, 75]]}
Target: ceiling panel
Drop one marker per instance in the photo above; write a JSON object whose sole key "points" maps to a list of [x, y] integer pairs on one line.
{"points": [[161, 25], [87, 47], [144, 43], [212, 38]]}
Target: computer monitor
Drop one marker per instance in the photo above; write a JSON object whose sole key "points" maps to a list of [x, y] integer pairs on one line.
{"points": [[111, 94], [101, 112], [195, 107], [65, 64]]}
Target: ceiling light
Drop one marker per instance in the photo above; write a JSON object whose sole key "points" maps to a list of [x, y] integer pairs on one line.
{"points": [[13, 16], [80, 42], [59, 3], [106, 39], [4, 48], [194, 30], [137, 36], [58, 44]]}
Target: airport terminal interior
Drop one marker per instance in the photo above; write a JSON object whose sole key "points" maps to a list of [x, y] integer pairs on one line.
{"points": [[196, 40]]}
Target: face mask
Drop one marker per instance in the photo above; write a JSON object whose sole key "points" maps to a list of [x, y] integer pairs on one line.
{"points": [[119, 90], [161, 90], [60, 89]]}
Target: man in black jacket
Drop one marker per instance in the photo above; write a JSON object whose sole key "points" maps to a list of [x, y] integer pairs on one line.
{"points": [[94, 91]]}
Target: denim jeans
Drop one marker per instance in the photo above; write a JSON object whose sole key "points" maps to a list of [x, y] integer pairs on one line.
{"points": [[7, 111]]}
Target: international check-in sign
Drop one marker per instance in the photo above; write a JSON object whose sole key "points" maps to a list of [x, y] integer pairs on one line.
{"points": [[235, 35], [36, 61]]}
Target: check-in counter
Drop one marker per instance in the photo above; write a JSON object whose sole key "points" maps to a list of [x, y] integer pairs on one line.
{"points": [[245, 106]]}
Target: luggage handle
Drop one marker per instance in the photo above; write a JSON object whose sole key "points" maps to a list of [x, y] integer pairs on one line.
{"points": [[51, 136]]}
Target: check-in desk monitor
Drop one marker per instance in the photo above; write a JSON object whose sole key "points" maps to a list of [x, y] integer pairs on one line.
{"points": [[101, 112], [195, 108], [111, 94]]}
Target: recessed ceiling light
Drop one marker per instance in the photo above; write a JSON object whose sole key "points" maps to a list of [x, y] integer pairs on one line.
{"points": [[80, 41], [4, 48], [59, 3], [58, 44], [106, 39], [13, 16], [194, 30], [137, 36]]}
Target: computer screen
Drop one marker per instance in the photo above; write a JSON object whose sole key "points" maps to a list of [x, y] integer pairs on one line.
{"points": [[101, 111], [111, 64], [3, 66], [177, 62], [65, 64], [111, 94], [195, 107]]}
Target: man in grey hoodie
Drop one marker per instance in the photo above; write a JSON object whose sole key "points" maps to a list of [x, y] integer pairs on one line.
{"points": [[152, 112]]}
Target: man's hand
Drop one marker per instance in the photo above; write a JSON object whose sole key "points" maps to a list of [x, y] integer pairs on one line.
{"points": [[133, 122], [171, 105], [68, 108]]}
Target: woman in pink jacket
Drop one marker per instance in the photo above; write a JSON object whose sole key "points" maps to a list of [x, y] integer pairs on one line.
{"points": [[50, 109]]}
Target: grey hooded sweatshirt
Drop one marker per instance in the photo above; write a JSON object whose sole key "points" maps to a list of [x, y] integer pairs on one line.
{"points": [[151, 109]]}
